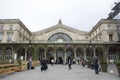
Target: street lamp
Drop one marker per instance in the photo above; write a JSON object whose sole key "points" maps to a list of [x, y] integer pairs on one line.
{"points": [[90, 49], [29, 54]]}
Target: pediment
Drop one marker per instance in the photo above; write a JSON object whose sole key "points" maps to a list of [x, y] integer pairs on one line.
{"points": [[61, 26]]}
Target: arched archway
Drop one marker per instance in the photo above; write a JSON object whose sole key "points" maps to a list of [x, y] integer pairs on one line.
{"points": [[41, 53], [60, 55], [79, 53], [113, 53], [1, 54], [31, 53], [21, 53], [89, 54], [69, 53], [8, 53], [99, 53], [50, 54]]}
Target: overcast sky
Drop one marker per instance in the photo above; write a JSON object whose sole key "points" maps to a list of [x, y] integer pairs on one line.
{"points": [[41, 14]]}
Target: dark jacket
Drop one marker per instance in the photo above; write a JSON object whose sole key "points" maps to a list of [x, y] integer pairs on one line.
{"points": [[69, 60], [43, 62]]}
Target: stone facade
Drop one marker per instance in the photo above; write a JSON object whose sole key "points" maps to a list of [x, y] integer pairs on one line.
{"points": [[59, 42], [104, 28], [13, 30], [75, 34]]}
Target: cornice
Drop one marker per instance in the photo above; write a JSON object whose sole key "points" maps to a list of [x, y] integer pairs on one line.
{"points": [[104, 21], [14, 21]]}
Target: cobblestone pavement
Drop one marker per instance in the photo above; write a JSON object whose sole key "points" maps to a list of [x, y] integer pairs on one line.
{"points": [[60, 72]]}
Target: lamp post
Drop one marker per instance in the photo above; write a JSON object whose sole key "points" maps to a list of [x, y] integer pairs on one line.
{"points": [[29, 52], [90, 46], [91, 50]]}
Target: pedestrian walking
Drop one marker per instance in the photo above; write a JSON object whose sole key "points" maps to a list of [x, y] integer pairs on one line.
{"points": [[96, 65], [83, 62], [92, 63], [44, 65], [69, 63], [29, 62]]}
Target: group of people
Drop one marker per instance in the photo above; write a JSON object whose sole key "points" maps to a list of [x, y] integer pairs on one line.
{"points": [[44, 65], [95, 63]]}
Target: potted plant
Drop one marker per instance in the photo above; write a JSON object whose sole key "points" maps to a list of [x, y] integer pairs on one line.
{"points": [[18, 65], [118, 66], [104, 66]]}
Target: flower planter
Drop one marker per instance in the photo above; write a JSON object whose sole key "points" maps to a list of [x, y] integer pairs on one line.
{"points": [[118, 68], [104, 68], [17, 68]]}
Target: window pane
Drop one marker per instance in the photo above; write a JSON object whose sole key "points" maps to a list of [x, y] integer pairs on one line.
{"points": [[11, 27], [110, 37], [1, 36], [1, 27], [58, 36], [9, 36]]}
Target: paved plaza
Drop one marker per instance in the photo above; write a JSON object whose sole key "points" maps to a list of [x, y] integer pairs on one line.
{"points": [[60, 72]]}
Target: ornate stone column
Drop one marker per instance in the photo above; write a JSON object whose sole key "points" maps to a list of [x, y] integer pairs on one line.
{"points": [[25, 55], [36, 54], [45, 53], [105, 54], [94, 52], [65, 55], [75, 53], [13, 52], [84, 53], [54, 54]]}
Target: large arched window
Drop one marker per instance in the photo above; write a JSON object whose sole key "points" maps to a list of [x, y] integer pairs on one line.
{"points": [[60, 37], [8, 53]]}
